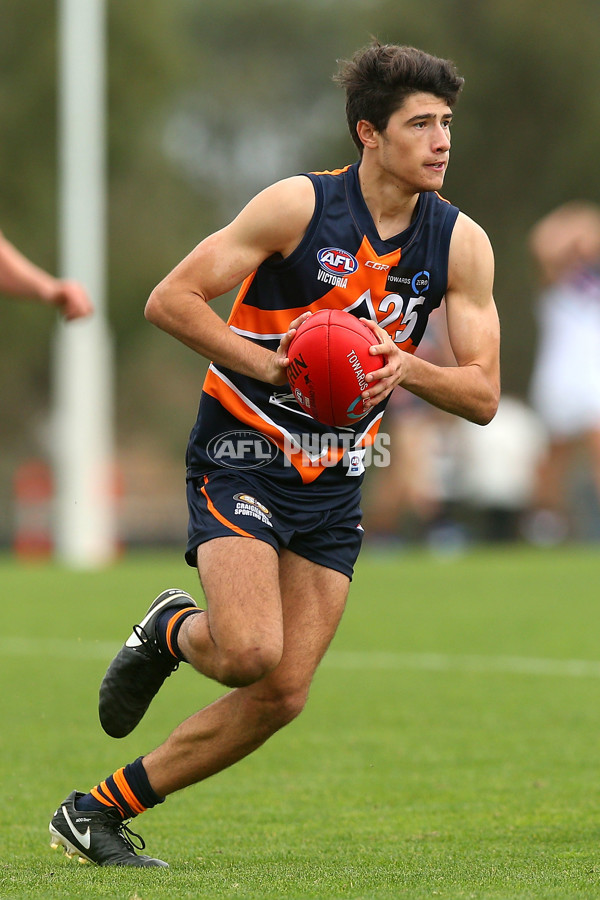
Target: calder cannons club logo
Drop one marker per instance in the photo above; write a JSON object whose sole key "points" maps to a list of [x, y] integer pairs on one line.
{"points": [[241, 450]]}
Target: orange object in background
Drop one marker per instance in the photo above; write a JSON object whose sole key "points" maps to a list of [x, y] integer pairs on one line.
{"points": [[33, 500]]}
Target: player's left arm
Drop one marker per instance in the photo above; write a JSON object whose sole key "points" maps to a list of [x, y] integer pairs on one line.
{"points": [[22, 278], [471, 389]]}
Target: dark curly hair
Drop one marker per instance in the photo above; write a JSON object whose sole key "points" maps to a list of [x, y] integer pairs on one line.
{"points": [[379, 78]]}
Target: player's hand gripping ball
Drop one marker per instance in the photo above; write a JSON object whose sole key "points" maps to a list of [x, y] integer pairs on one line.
{"points": [[329, 359]]}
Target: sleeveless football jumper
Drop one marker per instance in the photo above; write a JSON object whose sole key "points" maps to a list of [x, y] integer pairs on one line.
{"points": [[340, 263]]}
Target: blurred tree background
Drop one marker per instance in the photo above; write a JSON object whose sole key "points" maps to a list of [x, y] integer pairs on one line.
{"points": [[209, 102]]}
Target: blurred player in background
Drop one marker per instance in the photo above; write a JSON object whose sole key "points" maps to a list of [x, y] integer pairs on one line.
{"points": [[565, 384], [275, 545], [20, 277]]}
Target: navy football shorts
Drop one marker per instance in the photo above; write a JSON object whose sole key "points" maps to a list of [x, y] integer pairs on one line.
{"points": [[227, 503]]}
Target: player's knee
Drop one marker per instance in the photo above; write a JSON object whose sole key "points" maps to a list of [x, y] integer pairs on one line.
{"points": [[244, 666], [289, 706], [282, 707]]}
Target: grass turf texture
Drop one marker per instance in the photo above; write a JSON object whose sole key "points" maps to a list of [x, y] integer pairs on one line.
{"points": [[450, 746]]}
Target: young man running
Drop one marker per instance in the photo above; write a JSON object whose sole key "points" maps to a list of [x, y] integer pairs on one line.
{"points": [[275, 544]]}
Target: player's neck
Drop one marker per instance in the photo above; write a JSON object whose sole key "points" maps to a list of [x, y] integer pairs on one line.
{"points": [[391, 205]]}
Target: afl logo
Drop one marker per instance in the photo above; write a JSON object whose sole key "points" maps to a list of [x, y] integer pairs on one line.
{"points": [[338, 262], [241, 450]]}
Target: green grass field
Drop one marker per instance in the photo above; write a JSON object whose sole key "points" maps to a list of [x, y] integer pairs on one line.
{"points": [[450, 748]]}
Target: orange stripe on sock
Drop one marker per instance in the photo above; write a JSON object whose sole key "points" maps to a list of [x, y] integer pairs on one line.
{"points": [[128, 794], [96, 793], [215, 512], [175, 618], [100, 791]]}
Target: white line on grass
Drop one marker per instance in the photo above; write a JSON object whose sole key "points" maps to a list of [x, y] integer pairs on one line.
{"points": [[442, 662], [58, 648], [79, 649]]}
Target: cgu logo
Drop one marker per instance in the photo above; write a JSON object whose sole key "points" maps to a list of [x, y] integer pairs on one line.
{"points": [[381, 267], [338, 262]]}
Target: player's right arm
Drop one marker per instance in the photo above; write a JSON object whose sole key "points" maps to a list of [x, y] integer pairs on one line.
{"points": [[273, 222]]}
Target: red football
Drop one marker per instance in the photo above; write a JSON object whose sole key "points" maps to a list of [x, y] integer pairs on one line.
{"points": [[329, 358]]}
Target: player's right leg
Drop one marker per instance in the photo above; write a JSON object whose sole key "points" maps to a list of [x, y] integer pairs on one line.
{"points": [[142, 664], [240, 721], [93, 825], [240, 637], [236, 641], [238, 645]]}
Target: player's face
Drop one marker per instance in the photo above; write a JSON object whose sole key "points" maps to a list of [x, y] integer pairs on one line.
{"points": [[415, 147]]}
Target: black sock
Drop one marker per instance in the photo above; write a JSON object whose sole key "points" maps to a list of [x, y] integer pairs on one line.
{"points": [[168, 624], [126, 790]]}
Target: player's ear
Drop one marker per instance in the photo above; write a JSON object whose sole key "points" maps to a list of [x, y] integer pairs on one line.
{"points": [[367, 133]]}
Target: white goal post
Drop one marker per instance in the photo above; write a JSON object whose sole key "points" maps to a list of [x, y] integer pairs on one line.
{"points": [[84, 520]]}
